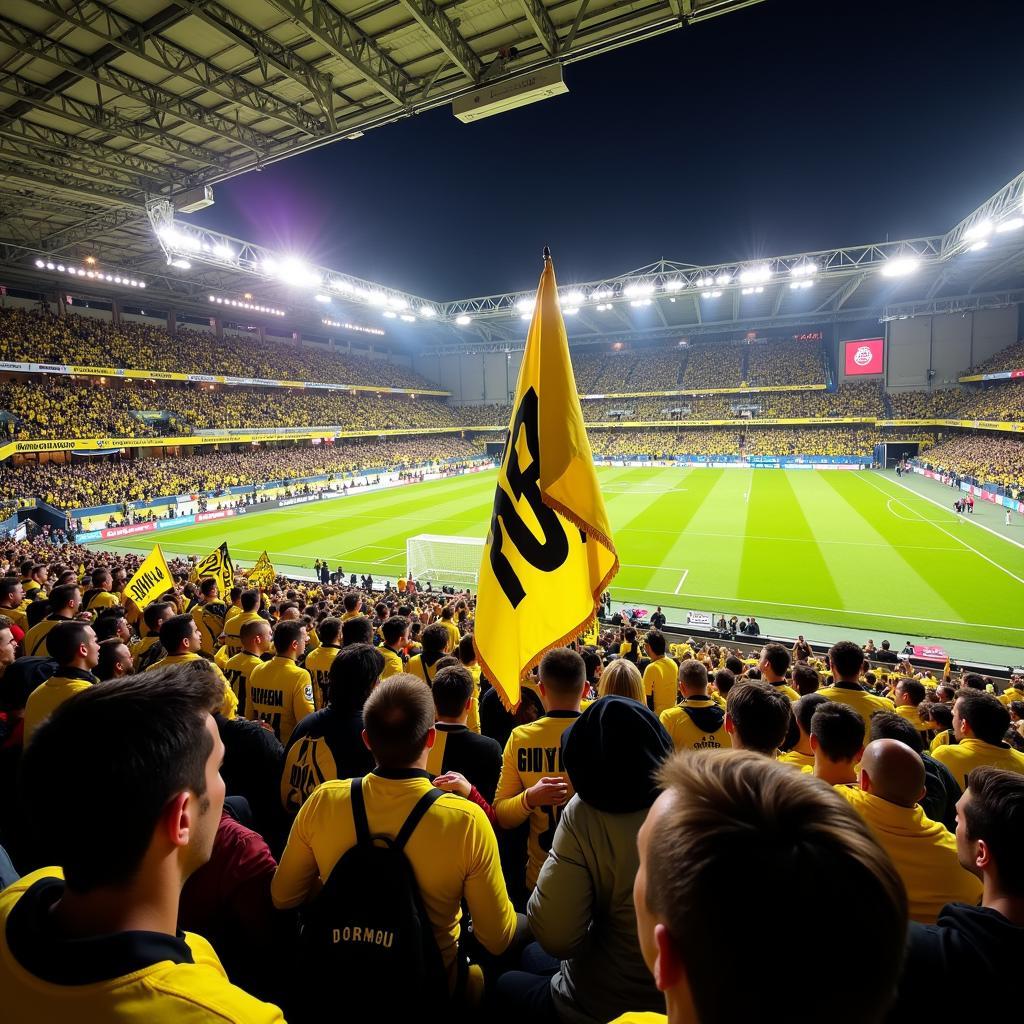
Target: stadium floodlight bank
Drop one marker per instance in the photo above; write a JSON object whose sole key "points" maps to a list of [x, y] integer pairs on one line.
{"points": [[434, 558]]}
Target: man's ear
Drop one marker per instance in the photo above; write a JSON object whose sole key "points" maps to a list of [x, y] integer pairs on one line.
{"points": [[431, 737], [668, 968], [729, 727], [366, 740], [814, 743], [177, 819]]}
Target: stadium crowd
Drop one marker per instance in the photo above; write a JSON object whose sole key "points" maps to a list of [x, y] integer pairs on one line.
{"points": [[981, 457], [109, 481], [82, 340], [1010, 358], [230, 873], [1003, 401]]}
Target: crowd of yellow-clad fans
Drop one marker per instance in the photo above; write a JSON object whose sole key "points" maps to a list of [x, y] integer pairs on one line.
{"points": [[190, 791]]}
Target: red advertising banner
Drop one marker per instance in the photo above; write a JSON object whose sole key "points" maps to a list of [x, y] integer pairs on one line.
{"points": [[865, 356], [127, 531]]}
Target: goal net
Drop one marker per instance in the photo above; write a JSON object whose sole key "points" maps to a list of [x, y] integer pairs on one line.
{"points": [[434, 558]]}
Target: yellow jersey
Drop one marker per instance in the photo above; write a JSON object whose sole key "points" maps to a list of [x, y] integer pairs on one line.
{"points": [[34, 644], [233, 629], [970, 753], [453, 853], [1010, 694], [786, 690], [318, 665], [454, 636], [661, 680], [237, 670], [393, 663], [913, 715], [697, 723], [533, 752], [48, 696], [210, 620], [798, 759], [280, 694], [864, 703], [144, 976], [18, 616]]}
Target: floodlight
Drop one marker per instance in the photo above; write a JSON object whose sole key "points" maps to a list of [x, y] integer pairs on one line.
{"points": [[900, 266], [377, 299], [223, 251], [462, 320], [408, 319], [980, 230], [1008, 225], [526, 305], [573, 298], [601, 294], [296, 274], [571, 311], [322, 298], [804, 269], [755, 275], [427, 311], [525, 316], [981, 243], [40, 264], [639, 289], [723, 278], [397, 302], [269, 266], [390, 314], [673, 284], [637, 303], [181, 264]]}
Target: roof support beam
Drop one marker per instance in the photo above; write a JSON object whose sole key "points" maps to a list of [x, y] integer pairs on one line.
{"points": [[436, 23], [540, 21], [57, 179], [74, 164], [346, 40], [32, 44], [576, 22], [131, 37], [89, 228]]}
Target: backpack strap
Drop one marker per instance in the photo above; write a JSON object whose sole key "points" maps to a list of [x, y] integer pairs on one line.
{"points": [[416, 816], [359, 813]]}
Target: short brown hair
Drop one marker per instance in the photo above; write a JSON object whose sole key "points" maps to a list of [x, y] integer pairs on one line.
{"points": [[995, 813], [562, 672], [693, 673], [397, 716], [731, 809], [760, 715]]}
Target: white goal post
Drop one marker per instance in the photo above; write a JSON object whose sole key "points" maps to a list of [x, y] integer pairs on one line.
{"points": [[434, 558]]}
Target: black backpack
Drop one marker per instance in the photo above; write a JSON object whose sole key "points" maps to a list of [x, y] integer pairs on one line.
{"points": [[367, 933]]}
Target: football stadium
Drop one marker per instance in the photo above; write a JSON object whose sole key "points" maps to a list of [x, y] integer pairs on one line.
{"points": [[348, 597]]}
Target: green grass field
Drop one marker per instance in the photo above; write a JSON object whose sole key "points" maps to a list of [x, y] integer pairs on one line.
{"points": [[851, 549]]}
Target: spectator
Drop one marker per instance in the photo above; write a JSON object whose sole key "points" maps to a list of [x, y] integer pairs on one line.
{"points": [[318, 662], [979, 724], [435, 642], [621, 679], [122, 882], [534, 785], [581, 911], [73, 646], [280, 693], [395, 630], [757, 717], [696, 722], [805, 679], [329, 744], [846, 660], [64, 603], [256, 638], [453, 851], [773, 663], [115, 660], [892, 781], [720, 812], [837, 739], [180, 638], [909, 696], [981, 943], [661, 675], [801, 754]]}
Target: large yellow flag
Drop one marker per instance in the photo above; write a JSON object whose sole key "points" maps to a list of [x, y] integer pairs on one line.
{"points": [[216, 564], [151, 579], [549, 553], [262, 574]]}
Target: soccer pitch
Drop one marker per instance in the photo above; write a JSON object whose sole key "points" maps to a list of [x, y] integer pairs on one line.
{"points": [[853, 549]]}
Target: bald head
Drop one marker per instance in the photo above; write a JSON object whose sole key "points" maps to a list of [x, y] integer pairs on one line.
{"points": [[892, 771]]}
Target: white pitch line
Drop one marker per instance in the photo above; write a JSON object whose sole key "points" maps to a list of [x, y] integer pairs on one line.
{"points": [[929, 522], [817, 608], [980, 526], [682, 580]]}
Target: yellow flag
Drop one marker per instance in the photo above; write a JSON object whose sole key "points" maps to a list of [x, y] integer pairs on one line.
{"points": [[151, 579], [262, 574], [549, 553], [218, 565]]}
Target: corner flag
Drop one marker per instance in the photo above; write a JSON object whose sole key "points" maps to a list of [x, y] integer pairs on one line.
{"points": [[218, 565], [549, 553]]}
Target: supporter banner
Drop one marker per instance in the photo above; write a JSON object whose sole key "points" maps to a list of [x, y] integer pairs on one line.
{"points": [[204, 378], [216, 565], [1001, 375], [541, 577], [151, 579], [817, 421], [706, 391], [1002, 425], [864, 356], [698, 619], [263, 574]]}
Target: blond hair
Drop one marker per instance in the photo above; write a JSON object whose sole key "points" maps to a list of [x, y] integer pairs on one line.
{"points": [[621, 679]]}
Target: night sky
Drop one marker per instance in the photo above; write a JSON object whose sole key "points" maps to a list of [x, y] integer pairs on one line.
{"points": [[786, 127]]}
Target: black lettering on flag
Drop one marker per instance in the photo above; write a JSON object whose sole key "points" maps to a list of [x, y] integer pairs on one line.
{"points": [[507, 524]]}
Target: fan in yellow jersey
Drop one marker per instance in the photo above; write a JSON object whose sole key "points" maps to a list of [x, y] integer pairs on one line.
{"points": [[908, 697], [661, 675], [247, 611], [99, 940], [980, 722], [65, 602], [280, 693], [773, 663], [98, 595], [837, 739], [801, 755], [721, 811], [353, 605], [395, 630], [448, 621], [533, 785], [154, 615], [256, 643], [435, 640], [179, 637], [73, 646], [892, 782], [318, 662], [847, 660], [12, 596], [209, 615], [697, 722], [1015, 691]]}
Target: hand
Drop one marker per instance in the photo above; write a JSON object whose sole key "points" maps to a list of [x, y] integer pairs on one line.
{"points": [[453, 782], [551, 791]]}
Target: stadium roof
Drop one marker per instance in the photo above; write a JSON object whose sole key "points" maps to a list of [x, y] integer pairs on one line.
{"points": [[106, 106]]}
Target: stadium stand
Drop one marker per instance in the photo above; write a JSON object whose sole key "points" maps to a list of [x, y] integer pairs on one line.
{"points": [[981, 457], [1010, 358]]}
